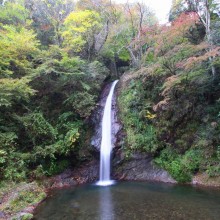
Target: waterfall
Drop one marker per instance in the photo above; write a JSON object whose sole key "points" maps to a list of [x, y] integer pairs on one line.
{"points": [[106, 143]]}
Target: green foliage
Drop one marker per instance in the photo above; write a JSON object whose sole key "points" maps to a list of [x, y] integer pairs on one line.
{"points": [[15, 168], [17, 46], [44, 97], [80, 29], [12, 166], [14, 90], [47, 19], [55, 167], [38, 128], [170, 106], [48, 89], [137, 120], [62, 74], [83, 103], [27, 216], [26, 195], [177, 8], [213, 170], [115, 45], [13, 13], [181, 167]]}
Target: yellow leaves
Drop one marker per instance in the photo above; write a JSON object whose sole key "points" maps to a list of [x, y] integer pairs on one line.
{"points": [[80, 28], [82, 21], [74, 137], [21, 36], [150, 115], [77, 42], [16, 44]]}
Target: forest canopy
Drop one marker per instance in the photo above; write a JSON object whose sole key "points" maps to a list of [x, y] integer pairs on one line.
{"points": [[55, 56]]}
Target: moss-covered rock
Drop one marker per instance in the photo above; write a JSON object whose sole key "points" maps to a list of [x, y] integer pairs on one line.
{"points": [[23, 216], [21, 196]]}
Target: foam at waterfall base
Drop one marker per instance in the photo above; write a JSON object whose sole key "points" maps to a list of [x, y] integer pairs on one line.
{"points": [[105, 183]]}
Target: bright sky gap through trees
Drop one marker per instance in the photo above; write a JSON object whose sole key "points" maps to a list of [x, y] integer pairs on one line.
{"points": [[160, 7]]}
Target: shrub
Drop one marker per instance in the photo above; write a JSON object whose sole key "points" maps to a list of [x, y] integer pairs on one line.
{"points": [[181, 167]]}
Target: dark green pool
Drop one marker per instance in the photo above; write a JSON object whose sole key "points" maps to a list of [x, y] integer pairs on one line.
{"points": [[131, 200]]}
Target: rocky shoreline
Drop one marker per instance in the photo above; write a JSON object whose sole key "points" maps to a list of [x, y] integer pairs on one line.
{"points": [[138, 168], [14, 196]]}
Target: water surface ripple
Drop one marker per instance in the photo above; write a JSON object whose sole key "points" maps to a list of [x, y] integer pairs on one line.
{"points": [[131, 200]]}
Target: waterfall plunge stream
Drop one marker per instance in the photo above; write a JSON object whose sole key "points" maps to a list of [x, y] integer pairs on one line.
{"points": [[106, 143]]}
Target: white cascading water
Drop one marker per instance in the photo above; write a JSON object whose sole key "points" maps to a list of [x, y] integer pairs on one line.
{"points": [[106, 143]]}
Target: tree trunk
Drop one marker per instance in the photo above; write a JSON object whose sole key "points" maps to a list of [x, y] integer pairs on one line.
{"points": [[133, 58], [209, 34], [101, 38]]}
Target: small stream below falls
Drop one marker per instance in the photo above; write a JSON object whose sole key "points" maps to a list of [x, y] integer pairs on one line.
{"points": [[131, 200]]}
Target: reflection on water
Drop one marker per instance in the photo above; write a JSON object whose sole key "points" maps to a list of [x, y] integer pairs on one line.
{"points": [[106, 208], [128, 201]]}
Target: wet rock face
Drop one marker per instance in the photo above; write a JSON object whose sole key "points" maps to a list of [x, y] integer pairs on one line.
{"points": [[140, 168], [2, 215], [97, 119], [116, 124], [86, 173], [203, 179]]}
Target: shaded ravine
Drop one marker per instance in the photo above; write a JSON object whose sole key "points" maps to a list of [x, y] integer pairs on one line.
{"points": [[96, 118], [139, 166]]}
